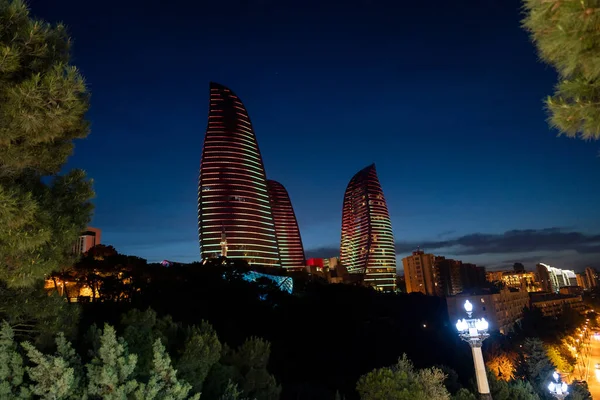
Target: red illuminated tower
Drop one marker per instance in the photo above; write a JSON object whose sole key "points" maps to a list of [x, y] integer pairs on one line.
{"points": [[367, 245], [233, 201], [286, 227]]}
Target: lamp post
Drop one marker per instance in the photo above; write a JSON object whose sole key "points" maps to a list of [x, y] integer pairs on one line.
{"points": [[558, 389], [474, 332]]}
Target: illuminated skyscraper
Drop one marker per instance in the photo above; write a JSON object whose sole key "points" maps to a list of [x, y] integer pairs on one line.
{"points": [[367, 245], [286, 227], [233, 201]]}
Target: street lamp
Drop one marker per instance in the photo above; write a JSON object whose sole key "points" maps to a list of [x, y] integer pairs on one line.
{"points": [[474, 332], [558, 389]]}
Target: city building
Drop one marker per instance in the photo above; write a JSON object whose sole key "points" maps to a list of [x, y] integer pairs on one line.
{"points": [[367, 248], [582, 281], [525, 280], [418, 273], [592, 276], [552, 279], [289, 241], [553, 304], [234, 208], [88, 239], [472, 276], [501, 309], [447, 276]]}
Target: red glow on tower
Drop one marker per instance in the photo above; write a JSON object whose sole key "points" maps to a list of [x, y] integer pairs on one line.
{"points": [[291, 250], [367, 244], [233, 201]]}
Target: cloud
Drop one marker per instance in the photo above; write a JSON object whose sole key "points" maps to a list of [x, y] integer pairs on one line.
{"points": [[518, 241], [514, 241]]}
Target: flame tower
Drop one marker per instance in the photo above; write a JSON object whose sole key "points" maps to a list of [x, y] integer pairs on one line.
{"points": [[233, 201], [367, 245], [286, 227]]}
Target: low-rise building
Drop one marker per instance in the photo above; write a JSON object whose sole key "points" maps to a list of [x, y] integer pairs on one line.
{"points": [[501, 308], [553, 304]]}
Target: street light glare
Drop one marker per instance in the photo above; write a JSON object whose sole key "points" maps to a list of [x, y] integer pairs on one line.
{"points": [[468, 306]]}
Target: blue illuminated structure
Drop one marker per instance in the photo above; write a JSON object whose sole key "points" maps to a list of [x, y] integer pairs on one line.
{"points": [[284, 283]]}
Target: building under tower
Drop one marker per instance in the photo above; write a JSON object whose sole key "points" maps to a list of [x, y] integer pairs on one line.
{"points": [[367, 245], [234, 208], [289, 240]]}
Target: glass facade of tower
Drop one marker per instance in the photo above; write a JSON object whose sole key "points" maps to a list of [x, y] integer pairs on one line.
{"points": [[286, 227], [233, 201], [367, 244]]}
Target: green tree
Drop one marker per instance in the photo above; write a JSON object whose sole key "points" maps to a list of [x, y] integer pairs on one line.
{"points": [[251, 360], [52, 376], [579, 391], [43, 100], [464, 394], [521, 390], [110, 373], [12, 370], [35, 316], [401, 382], [231, 392], [163, 383], [201, 351], [567, 36], [534, 366]]}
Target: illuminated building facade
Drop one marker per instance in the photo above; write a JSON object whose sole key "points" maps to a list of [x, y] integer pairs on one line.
{"points": [[552, 279], [289, 241], [88, 239], [367, 243], [418, 273], [233, 201]]}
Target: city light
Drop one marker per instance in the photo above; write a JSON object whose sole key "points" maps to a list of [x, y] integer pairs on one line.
{"points": [[474, 332], [558, 389]]}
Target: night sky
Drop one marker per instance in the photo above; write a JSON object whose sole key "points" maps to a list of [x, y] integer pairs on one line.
{"points": [[444, 96]]}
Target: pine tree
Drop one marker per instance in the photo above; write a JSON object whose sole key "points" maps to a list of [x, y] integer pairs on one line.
{"points": [[231, 392], [52, 377], [163, 383], [110, 373], [43, 100], [12, 370], [567, 36], [201, 351], [535, 367]]}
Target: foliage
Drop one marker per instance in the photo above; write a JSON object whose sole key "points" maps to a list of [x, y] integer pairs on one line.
{"points": [[513, 390], [110, 373], [578, 390], [12, 370], [534, 366], [464, 394], [201, 351], [33, 315], [250, 365], [163, 383], [502, 365], [43, 101], [402, 381], [556, 356], [231, 392], [567, 36]]}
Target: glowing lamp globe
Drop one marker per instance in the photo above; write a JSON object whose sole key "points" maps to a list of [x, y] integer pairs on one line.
{"points": [[551, 387], [555, 376], [564, 388], [468, 306], [481, 324]]}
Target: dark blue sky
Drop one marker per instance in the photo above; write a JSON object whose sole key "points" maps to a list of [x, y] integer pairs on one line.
{"points": [[445, 97]]}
